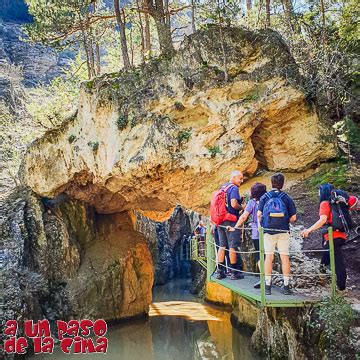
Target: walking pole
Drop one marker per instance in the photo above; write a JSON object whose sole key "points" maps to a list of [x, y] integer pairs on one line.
{"points": [[262, 266], [332, 261]]}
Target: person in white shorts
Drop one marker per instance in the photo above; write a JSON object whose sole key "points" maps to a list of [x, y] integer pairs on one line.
{"points": [[276, 210]]}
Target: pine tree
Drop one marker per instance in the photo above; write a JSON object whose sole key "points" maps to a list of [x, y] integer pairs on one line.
{"points": [[61, 24]]}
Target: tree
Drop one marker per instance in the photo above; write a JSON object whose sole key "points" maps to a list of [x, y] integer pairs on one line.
{"points": [[119, 13], [267, 12], [193, 22], [248, 6], [288, 12], [162, 22], [61, 24]]}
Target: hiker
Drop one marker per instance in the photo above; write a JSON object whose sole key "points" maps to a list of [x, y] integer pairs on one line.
{"points": [[230, 239], [256, 192], [329, 216], [276, 211], [215, 234], [200, 231]]}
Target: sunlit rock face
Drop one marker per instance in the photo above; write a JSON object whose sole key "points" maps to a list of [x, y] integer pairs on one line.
{"points": [[115, 278], [164, 239], [62, 260], [171, 131]]}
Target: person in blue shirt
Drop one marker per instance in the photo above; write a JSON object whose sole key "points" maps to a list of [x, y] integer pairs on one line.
{"points": [[278, 236], [231, 239]]}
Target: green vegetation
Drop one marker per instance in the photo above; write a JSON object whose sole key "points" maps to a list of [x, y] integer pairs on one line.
{"points": [[214, 150], [122, 121], [94, 145], [179, 106], [49, 105], [349, 132], [333, 319], [336, 173], [184, 135], [253, 95], [71, 138]]}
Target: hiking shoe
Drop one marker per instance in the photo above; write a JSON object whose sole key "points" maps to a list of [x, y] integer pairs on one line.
{"points": [[220, 275], [236, 275], [267, 289], [257, 285], [286, 290]]}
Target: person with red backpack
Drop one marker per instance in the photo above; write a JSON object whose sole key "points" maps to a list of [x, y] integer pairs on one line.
{"points": [[334, 211], [276, 210], [225, 207]]}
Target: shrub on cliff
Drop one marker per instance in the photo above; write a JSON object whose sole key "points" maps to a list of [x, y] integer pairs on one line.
{"points": [[333, 319]]}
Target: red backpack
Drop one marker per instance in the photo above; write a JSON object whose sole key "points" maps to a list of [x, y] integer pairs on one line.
{"points": [[218, 210]]}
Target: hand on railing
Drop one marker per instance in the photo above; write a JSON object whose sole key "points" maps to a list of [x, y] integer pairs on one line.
{"points": [[305, 233]]}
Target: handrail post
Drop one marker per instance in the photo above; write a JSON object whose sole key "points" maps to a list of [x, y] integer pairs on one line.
{"points": [[196, 248], [262, 266], [190, 249], [210, 266], [332, 261]]}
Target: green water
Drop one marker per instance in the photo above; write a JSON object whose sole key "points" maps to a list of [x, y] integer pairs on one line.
{"points": [[178, 328]]}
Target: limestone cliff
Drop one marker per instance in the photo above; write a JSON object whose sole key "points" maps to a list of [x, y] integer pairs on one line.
{"points": [[171, 131], [62, 260], [164, 239]]}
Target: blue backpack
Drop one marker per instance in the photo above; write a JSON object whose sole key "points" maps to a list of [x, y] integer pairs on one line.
{"points": [[275, 214]]}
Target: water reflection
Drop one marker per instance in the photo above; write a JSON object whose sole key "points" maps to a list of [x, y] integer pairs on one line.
{"points": [[187, 309], [176, 329]]}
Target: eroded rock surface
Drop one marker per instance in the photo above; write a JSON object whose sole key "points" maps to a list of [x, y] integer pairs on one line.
{"points": [[62, 260], [171, 131], [164, 239]]}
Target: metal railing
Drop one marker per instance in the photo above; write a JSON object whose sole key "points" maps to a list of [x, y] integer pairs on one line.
{"points": [[195, 250], [212, 261]]}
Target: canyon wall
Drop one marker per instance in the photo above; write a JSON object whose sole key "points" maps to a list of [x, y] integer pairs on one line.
{"points": [[62, 260], [143, 141]]}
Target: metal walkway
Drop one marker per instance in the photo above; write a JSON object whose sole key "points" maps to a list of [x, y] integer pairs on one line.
{"points": [[245, 288], [206, 256]]}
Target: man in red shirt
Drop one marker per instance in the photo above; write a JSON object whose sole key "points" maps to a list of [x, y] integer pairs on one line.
{"points": [[338, 236]]}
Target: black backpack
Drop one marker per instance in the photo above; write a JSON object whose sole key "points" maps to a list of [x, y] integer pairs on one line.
{"points": [[339, 205]]}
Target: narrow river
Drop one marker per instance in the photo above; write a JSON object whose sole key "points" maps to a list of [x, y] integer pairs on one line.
{"points": [[179, 328]]}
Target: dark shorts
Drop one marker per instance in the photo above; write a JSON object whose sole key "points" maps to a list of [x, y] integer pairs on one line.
{"points": [[230, 239]]}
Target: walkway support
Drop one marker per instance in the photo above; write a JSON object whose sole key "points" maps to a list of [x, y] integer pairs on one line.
{"points": [[210, 252], [262, 266]]}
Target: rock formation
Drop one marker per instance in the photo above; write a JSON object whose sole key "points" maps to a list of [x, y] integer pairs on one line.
{"points": [[39, 64], [164, 239], [142, 142], [62, 260], [171, 131]]}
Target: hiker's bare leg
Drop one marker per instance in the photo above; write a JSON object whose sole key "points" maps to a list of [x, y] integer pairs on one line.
{"points": [[232, 255], [285, 264], [221, 254], [269, 258]]}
